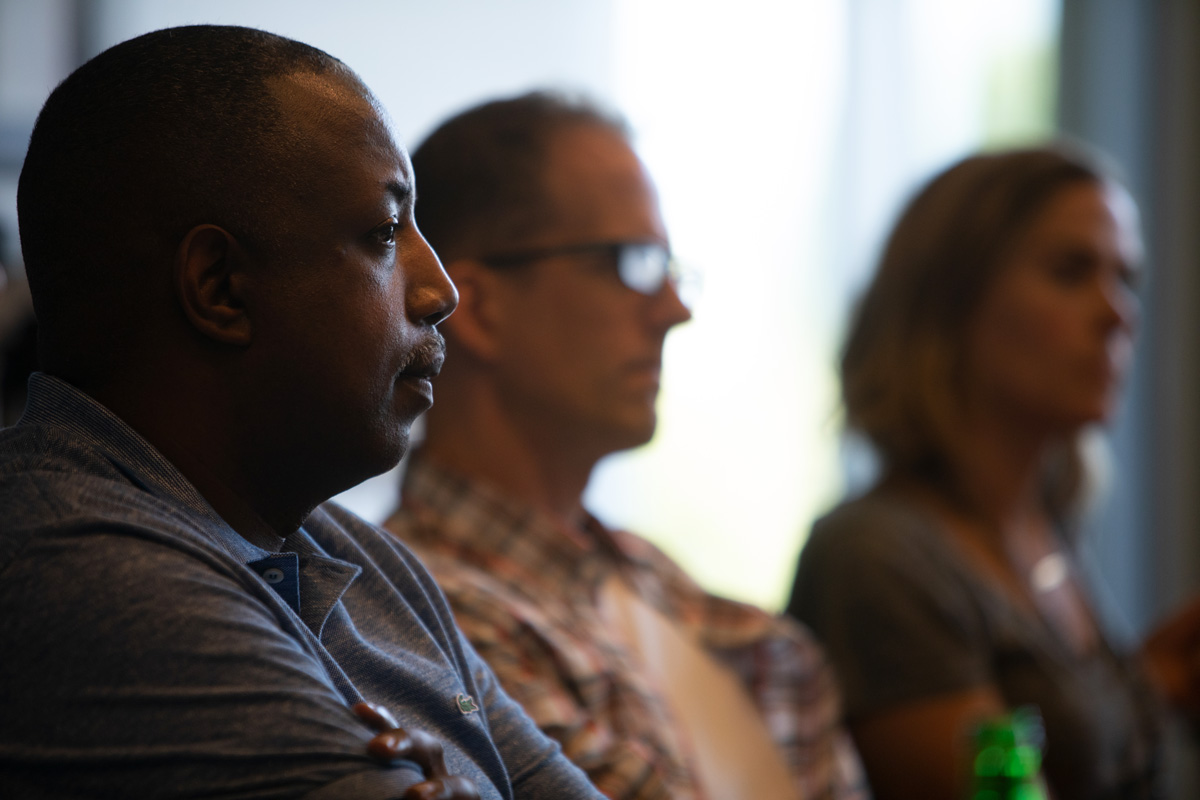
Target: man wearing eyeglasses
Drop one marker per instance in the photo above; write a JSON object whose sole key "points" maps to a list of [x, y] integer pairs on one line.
{"points": [[549, 225]]}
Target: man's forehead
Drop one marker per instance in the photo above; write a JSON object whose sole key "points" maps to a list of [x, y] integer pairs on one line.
{"points": [[595, 180], [589, 148], [329, 120], [330, 103]]}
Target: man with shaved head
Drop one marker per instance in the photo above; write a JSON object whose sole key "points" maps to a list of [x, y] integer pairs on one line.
{"points": [[237, 320]]}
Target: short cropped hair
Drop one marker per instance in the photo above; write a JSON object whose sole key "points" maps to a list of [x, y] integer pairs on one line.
{"points": [[480, 173], [148, 139], [903, 353]]}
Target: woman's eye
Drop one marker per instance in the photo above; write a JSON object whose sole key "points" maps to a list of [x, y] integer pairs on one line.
{"points": [[1072, 269]]}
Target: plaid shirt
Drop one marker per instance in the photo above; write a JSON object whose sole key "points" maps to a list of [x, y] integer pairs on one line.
{"points": [[524, 588]]}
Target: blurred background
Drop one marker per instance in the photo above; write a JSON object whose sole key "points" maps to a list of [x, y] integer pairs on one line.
{"points": [[783, 134]]}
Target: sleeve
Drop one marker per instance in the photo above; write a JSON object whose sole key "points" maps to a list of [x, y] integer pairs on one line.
{"points": [[533, 763], [782, 667], [536, 765], [138, 668], [512, 638], [894, 621], [794, 687]]}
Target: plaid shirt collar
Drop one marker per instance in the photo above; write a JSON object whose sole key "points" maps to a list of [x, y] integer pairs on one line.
{"points": [[520, 544]]}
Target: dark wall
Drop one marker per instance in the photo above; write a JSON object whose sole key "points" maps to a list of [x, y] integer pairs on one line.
{"points": [[1130, 83]]}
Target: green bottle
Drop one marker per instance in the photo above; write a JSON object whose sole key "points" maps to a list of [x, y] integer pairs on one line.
{"points": [[1007, 762]]}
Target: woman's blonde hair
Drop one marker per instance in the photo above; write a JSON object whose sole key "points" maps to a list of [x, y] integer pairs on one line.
{"points": [[902, 359]]}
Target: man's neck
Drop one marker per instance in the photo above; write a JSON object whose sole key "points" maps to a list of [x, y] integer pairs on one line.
{"points": [[536, 470], [206, 458]]}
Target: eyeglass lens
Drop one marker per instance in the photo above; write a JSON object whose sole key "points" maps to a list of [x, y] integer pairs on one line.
{"points": [[643, 267]]}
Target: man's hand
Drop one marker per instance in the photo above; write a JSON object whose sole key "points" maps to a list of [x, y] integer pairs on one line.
{"points": [[393, 742]]}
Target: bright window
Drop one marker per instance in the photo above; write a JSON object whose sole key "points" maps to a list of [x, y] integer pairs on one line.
{"points": [[783, 136]]}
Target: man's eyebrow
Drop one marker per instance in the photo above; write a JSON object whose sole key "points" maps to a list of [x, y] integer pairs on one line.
{"points": [[403, 192]]}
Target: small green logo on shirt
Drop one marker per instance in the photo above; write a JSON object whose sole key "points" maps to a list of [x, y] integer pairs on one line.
{"points": [[466, 703]]}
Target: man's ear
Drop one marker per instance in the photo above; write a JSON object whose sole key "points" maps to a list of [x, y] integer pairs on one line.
{"points": [[209, 278], [475, 322]]}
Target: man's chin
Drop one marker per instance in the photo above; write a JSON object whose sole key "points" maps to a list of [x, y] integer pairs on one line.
{"points": [[633, 433], [380, 456]]}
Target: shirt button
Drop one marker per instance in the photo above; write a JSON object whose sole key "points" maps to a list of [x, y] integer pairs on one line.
{"points": [[273, 575]]}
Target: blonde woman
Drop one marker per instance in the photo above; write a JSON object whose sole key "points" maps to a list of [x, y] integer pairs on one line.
{"points": [[998, 327]]}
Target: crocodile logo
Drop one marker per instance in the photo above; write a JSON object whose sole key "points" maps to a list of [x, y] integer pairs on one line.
{"points": [[466, 704]]}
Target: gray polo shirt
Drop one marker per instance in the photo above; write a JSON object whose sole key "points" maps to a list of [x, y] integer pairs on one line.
{"points": [[148, 650]]}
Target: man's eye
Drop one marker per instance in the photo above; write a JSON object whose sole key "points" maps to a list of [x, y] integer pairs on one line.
{"points": [[386, 233]]}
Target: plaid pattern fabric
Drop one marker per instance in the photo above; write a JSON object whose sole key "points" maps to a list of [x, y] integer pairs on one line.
{"points": [[524, 588]]}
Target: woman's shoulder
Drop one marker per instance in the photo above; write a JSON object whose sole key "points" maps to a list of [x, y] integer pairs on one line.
{"points": [[881, 544], [882, 560], [873, 522]]}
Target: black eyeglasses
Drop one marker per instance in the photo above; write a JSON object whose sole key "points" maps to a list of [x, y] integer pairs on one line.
{"points": [[642, 266]]}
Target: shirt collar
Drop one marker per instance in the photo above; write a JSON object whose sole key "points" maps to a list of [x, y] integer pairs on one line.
{"points": [[476, 522]]}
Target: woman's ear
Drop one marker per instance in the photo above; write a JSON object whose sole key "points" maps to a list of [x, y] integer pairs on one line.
{"points": [[210, 275], [474, 325]]}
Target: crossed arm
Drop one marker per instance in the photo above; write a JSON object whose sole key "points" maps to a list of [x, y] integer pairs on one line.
{"points": [[395, 743]]}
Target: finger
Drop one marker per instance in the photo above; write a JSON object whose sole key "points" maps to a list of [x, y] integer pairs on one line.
{"points": [[451, 788], [377, 716], [415, 745]]}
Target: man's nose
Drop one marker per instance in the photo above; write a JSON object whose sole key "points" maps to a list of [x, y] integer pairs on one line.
{"points": [[431, 295], [668, 308]]}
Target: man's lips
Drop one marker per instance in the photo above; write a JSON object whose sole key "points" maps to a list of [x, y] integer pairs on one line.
{"points": [[427, 368], [422, 365], [650, 367], [426, 359], [644, 377]]}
